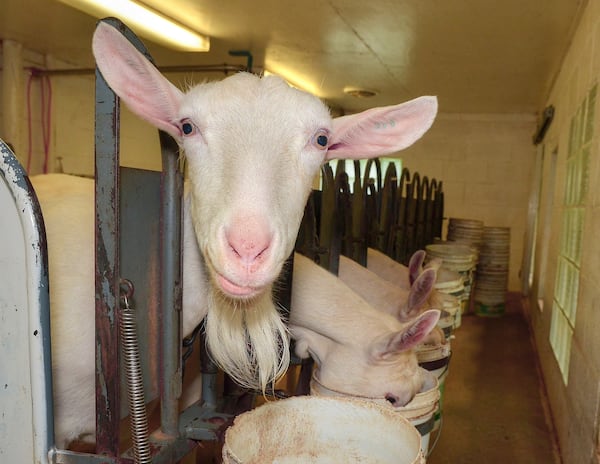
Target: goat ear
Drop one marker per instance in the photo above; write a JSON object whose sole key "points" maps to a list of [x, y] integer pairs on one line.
{"points": [[434, 263], [419, 293], [145, 91], [381, 131], [415, 265], [407, 338]]}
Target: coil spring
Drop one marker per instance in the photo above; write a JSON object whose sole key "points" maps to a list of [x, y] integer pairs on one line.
{"points": [[133, 372]]}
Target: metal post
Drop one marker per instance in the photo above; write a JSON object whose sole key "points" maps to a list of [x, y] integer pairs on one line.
{"points": [[107, 269], [171, 190]]}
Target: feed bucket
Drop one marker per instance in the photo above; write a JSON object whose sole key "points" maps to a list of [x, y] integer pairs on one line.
{"points": [[450, 283], [419, 411], [450, 317], [459, 258], [323, 430], [436, 359]]}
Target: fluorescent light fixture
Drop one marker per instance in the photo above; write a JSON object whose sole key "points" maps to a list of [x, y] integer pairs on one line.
{"points": [[145, 21]]}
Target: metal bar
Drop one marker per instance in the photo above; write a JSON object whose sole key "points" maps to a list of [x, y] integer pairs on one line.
{"points": [[107, 269], [171, 289], [358, 227], [210, 373], [388, 210], [26, 402], [343, 217], [107, 281], [329, 235], [400, 235], [224, 68], [72, 457]]}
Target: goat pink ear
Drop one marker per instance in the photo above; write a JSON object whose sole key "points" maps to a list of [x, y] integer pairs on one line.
{"points": [[419, 293], [381, 131], [407, 338], [415, 265], [145, 91]]}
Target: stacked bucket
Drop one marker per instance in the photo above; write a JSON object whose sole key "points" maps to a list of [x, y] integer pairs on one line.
{"points": [[450, 290], [460, 258], [468, 231], [492, 272], [454, 279]]}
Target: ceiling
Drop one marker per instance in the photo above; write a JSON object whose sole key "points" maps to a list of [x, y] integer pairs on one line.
{"points": [[477, 56]]}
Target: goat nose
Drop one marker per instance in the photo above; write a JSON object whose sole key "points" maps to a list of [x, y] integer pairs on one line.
{"points": [[248, 240]]}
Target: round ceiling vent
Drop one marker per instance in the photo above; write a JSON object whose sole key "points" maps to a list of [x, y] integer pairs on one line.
{"points": [[359, 92]]}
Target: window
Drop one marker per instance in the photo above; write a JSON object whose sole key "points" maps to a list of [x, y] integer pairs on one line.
{"points": [[564, 307], [544, 231], [349, 168]]}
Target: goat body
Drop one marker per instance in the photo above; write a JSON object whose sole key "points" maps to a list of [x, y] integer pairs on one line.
{"points": [[358, 349]]}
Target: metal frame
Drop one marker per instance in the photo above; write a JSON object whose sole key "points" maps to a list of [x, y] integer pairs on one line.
{"points": [[26, 374], [178, 434], [398, 217]]}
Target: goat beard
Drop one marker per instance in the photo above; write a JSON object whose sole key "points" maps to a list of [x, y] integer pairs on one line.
{"points": [[247, 339]]}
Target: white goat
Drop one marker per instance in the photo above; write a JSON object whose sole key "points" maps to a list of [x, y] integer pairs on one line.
{"points": [[253, 147], [383, 295], [404, 303], [358, 349], [393, 271]]}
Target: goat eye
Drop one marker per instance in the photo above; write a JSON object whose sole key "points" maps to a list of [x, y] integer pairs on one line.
{"points": [[187, 128], [321, 140]]}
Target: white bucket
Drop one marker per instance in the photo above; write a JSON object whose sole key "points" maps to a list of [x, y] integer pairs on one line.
{"points": [[419, 411], [459, 258], [436, 359], [322, 430], [451, 307], [465, 230], [451, 284], [492, 273]]}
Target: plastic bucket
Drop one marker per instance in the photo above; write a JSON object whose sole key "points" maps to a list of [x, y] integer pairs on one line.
{"points": [[451, 284], [323, 430], [465, 230], [420, 411], [460, 258], [436, 359], [492, 272]]}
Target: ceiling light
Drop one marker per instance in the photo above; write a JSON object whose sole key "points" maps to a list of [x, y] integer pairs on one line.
{"points": [[359, 93], [147, 22]]}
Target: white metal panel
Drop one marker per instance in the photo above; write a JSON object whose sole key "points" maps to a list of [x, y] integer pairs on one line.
{"points": [[25, 394]]}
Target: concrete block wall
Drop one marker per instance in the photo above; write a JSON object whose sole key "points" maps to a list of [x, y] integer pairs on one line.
{"points": [[485, 162], [574, 403]]}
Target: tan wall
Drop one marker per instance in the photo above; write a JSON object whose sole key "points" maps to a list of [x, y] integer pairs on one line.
{"points": [[575, 405], [485, 162], [74, 130]]}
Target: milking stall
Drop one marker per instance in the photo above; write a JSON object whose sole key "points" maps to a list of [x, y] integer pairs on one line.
{"points": [[299, 232]]}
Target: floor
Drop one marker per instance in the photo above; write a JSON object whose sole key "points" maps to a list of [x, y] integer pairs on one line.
{"points": [[493, 403]]}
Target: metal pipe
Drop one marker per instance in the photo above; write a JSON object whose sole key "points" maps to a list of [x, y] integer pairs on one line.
{"points": [[171, 291], [107, 269], [13, 97], [224, 68]]}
